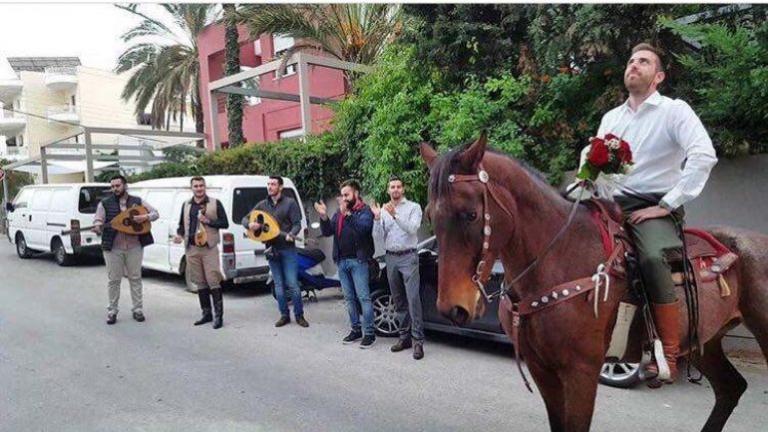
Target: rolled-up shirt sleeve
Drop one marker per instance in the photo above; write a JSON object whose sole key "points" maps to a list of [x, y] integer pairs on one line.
{"points": [[100, 215], [700, 156], [151, 211]]}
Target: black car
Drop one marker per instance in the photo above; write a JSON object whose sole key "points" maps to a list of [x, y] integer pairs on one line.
{"points": [[487, 327]]}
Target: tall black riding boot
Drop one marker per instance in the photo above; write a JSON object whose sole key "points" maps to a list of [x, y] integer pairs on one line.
{"points": [[204, 295], [218, 308]]}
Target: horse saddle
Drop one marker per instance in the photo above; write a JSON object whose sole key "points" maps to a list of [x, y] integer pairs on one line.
{"points": [[269, 230], [709, 258], [124, 223]]}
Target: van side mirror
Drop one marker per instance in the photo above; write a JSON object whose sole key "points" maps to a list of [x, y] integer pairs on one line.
{"points": [[9, 207]]}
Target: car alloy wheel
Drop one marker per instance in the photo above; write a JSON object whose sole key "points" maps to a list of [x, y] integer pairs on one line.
{"points": [[621, 375], [385, 320]]}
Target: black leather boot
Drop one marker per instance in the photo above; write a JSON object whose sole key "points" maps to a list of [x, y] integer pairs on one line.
{"points": [[204, 295], [218, 308]]}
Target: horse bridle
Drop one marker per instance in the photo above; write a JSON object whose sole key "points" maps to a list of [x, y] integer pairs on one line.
{"points": [[487, 258]]}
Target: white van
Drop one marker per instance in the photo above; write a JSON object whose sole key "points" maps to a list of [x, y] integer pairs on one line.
{"points": [[39, 213], [242, 259]]}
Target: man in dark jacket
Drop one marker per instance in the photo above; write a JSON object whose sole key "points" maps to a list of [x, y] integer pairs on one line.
{"points": [[351, 228], [282, 257]]}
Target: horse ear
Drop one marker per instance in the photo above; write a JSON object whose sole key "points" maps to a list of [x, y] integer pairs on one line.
{"points": [[427, 153], [472, 156]]}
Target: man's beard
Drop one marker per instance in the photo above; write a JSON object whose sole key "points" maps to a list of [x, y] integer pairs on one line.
{"points": [[639, 85], [350, 204]]}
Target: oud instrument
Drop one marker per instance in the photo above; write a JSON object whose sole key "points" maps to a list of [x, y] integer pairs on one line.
{"points": [[123, 223], [201, 235], [269, 230]]}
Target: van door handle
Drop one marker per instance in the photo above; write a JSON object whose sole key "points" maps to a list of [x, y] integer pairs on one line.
{"points": [[30, 218]]}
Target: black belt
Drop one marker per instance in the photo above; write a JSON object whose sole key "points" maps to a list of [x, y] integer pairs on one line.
{"points": [[401, 253]]}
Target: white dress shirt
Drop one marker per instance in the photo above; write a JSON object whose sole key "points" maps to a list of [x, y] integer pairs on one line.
{"points": [[671, 150], [399, 233]]}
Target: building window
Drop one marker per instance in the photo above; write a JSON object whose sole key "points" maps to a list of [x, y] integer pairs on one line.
{"points": [[73, 100], [250, 84], [291, 133], [281, 45]]}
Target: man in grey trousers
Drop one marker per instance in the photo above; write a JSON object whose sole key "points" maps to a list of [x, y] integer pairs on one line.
{"points": [[395, 224]]}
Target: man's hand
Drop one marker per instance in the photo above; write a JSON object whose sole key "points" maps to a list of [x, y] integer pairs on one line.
{"points": [[140, 218], [177, 239], [321, 209], [204, 219], [643, 215], [376, 210], [289, 238], [254, 226], [97, 229], [390, 208]]}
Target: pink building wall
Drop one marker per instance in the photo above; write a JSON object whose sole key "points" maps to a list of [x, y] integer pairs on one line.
{"points": [[264, 121]]}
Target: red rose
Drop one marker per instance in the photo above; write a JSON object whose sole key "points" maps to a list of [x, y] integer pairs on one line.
{"points": [[598, 154], [625, 153]]}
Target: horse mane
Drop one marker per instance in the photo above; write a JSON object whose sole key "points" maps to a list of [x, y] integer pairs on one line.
{"points": [[448, 164]]}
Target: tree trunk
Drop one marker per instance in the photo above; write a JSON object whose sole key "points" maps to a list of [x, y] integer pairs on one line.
{"points": [[234, 101]]}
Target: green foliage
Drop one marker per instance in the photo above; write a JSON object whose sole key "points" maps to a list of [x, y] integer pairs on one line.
{"points": [[315, 165], [728, 83], [16, 179]]}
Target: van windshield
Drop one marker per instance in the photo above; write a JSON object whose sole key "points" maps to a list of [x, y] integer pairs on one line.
{"points": [[90, 198], [244, 199]]}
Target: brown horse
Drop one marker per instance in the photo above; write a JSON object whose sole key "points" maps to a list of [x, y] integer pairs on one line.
{"points": [[564, 345]]}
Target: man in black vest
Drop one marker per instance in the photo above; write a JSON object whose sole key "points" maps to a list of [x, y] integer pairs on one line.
{"points": [[122, 252]]}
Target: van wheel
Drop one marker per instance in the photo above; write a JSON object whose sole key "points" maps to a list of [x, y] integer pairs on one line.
{"points": [[21, 247], [60, 254]]}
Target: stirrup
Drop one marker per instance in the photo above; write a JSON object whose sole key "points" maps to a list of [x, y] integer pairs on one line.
{"points": [[661, 361]]}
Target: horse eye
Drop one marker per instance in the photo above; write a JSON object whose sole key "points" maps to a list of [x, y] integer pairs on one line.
{"points": [[471, 216]]}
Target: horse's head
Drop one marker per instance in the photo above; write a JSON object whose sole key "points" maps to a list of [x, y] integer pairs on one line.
{"points": [[469, 224]]}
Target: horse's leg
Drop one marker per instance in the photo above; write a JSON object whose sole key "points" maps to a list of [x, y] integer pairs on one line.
{"points": [[726, 381], [579, 392], [551, 390]]}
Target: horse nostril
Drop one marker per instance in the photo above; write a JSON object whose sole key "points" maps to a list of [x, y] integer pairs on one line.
{"points": [[459, 315]]}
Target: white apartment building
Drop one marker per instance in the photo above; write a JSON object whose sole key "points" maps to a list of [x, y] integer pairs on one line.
{"points": [[50, 97]]}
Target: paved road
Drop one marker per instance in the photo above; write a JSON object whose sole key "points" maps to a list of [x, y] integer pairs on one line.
{"points": [[63, 369]]}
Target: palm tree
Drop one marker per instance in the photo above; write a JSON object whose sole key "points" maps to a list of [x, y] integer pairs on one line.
{"points": [[355, 33], [165, 65], [232, 66]]}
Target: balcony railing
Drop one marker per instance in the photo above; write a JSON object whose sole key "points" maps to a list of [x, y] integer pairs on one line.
{"points": [[61, 70], [61, 109]]}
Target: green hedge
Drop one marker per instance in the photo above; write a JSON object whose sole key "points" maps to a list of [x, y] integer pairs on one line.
{"points": [[316, 165]]}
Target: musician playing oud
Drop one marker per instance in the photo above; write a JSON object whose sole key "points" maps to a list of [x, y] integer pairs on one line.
{"points": [[123, 252], [199, 223]]}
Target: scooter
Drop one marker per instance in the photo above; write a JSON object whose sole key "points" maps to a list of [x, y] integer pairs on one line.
{"points": [[312, 278]]}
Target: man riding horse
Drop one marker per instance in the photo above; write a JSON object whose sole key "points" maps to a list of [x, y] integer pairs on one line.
{"points": [[673, 156]]}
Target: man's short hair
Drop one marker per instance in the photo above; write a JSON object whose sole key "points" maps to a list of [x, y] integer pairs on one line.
{"points": [[354, 184], [119, 177], [196, 178], [658, 51], [278, 178], [395, 177]]}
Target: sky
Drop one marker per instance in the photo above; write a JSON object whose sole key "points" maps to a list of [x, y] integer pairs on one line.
{"points": [[89, 31]]}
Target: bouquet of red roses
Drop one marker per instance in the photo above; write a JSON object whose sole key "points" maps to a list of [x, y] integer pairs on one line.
{"points": [[609, 155]]}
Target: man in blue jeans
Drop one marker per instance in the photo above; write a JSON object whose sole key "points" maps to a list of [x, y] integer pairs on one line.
{"points": [[281, 255], [352, 228]]}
